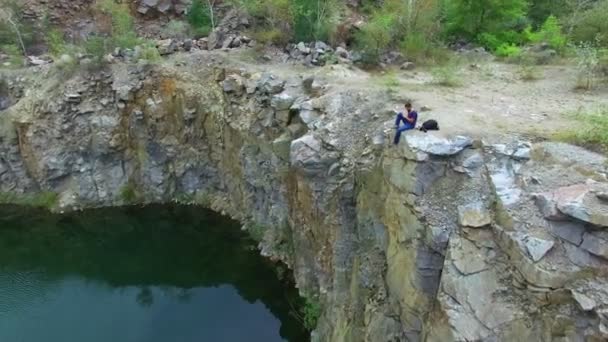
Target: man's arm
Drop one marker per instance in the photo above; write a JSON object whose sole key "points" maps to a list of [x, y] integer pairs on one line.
{"points": [[409, 119]]}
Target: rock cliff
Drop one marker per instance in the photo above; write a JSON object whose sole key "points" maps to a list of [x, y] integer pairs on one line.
{"points": [[438, 239]]}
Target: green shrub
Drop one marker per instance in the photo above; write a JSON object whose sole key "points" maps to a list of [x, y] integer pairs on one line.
{"points": [[123, 27], [311, 312], [200, 16], [591, 25], [15, 57], [508, 50], [97, 47], [149, 53], [588, 64], [375, 37], [128, 193], [590, 130], [45, 199], [447, 75], [491, 23], [551, 33], [56, 42], [176, 29], [271, 36]]}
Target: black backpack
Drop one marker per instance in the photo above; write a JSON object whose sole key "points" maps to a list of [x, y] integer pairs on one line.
{"points": [[429, 125]]}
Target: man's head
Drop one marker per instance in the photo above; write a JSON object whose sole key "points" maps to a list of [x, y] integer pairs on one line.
{"points": [[408, 107]]}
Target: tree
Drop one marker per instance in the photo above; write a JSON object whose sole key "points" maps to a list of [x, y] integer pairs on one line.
{"points": [[540, 10], [486, 20], [8, 16], [201, 14]]}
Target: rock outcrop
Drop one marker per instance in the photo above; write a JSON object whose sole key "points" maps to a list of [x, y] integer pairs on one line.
{"points": [[437, 239]]}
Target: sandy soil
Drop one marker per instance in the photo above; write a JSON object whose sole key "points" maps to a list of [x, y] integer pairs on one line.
{"points": [[492, 98]]}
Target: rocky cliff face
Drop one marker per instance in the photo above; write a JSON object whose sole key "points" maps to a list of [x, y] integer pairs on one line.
{"points": [[438, 239]]}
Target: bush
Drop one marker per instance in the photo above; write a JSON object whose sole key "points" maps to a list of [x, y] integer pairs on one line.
{"points": [[176, 29], [491, 23], [412, 26], [375, 36], [299, 20], [123, 28], [56, 42], [592, 25], [590, 131], [15, 57], [447, 75], [311, 312], [551, 33], [149, 53], [271, 36], [97, 47], [199, 16], [45, 199], [508, 50], [588, 63]]}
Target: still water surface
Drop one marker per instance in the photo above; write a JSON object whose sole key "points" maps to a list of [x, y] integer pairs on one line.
{"points": [[137, 275]]}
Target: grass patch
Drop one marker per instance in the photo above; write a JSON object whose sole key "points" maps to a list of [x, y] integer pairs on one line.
{"points": [[447, 75], [45, 199], [311, 312], [128, 193], [256, 231], [591, 130]]}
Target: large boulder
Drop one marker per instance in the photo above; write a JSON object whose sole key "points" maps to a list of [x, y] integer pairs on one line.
{"points": [[581, 201], [474, 215], [270, 84], [437, 146], [308, 155]]}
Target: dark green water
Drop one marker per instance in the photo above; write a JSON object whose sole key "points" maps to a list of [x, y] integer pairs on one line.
{"points": [[137, 275]]}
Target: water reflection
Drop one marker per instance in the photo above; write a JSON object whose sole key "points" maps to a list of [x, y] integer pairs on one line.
{"points": [[151, 274]]}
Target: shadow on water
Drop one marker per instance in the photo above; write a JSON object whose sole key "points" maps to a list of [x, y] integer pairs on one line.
{"points": [[165, 255]]}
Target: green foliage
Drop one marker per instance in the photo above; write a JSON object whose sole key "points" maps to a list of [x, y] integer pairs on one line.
{"points": [[375, 36], [508, 50], [97, 47], [199, 15], [149, 53], [551, 33], [56, 42], [271, 36], [15, 56], [588, 62], [299, 20], [123, 27], [45, 199], [128, 193], [528, 71], [492, 23], [590, 130], [256, 231], [447, 75], [592, 24], [314, 19], [540, 10], [410, 25], [311, 312], [176, 29]]}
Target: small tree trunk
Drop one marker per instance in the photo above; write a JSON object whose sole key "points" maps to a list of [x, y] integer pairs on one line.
{"points": [[17, 33], [210, 4]]}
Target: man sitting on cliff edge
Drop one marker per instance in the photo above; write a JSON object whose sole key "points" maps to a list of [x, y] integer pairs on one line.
{"points": [[409, 121]]}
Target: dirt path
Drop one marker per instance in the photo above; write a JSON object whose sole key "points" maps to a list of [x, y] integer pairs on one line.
{"points": [[491, 100]]}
